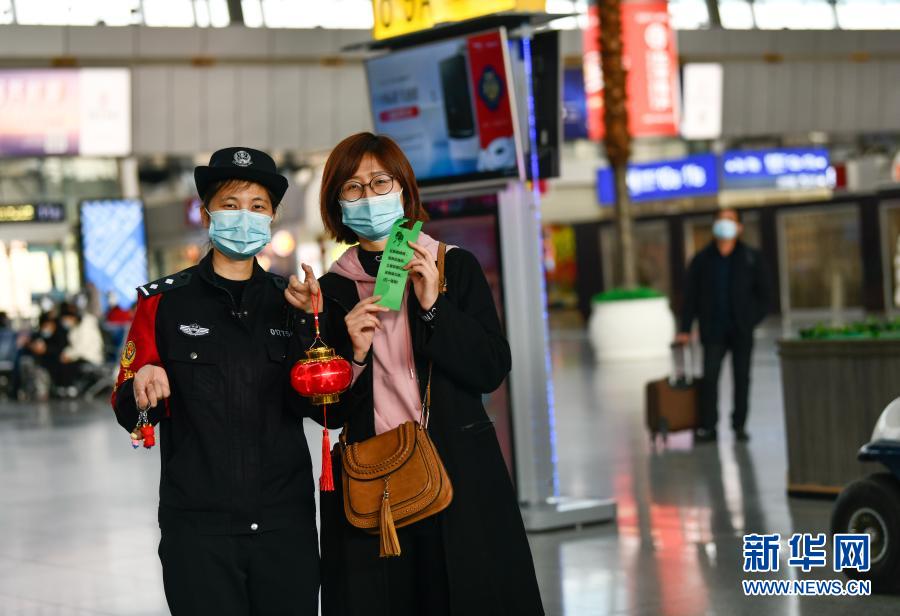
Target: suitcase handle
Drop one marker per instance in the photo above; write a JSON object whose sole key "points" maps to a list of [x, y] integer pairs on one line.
{"points": [[687, 359]]}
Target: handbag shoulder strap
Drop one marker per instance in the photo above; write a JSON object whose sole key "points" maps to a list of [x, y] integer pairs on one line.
{"points": [[442, 288], [442, 280]]}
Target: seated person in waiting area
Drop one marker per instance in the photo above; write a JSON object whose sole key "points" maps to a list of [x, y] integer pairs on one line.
{"points": [[46, 347], [84, 346]]}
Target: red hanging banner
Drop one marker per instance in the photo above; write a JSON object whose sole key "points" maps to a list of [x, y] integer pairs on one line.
{"points": [[650, 57]]}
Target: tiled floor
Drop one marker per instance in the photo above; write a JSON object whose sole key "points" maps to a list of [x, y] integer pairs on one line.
{"points": [[78, 533]]}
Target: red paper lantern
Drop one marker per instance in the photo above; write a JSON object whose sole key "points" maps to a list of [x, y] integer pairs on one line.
{"points": [[322, 376]]}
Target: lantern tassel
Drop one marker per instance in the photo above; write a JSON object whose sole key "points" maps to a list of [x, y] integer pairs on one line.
{"points": [[326, 480]]}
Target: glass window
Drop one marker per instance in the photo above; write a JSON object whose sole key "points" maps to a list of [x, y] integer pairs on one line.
{"points": [[253, 15], [218, 13], [163, 13], [335, 14], [890, 225], [567, 6], [201, 13], [169, 13], [794, 14], [43, 12], [820, 258], [868, 14], [75, 12], [570, 7], [6, 15], [688, 14], [736, 14]]}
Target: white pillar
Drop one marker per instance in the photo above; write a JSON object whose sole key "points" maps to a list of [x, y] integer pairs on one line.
{"points": [[531, 383]]}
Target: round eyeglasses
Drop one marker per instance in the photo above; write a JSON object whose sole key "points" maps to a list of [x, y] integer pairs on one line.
{"points": [[354, 191]]}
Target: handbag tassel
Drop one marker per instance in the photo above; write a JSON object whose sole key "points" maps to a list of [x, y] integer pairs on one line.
{"points": [[326, 479], [390, 543]]}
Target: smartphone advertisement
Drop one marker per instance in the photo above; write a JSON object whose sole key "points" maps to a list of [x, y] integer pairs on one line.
{"points": [[448, 106]]}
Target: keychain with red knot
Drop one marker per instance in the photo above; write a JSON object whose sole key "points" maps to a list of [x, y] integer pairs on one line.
{"points": [[143, 433]]}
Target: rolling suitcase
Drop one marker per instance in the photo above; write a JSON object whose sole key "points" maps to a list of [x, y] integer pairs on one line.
{"points": [[673, 403]]}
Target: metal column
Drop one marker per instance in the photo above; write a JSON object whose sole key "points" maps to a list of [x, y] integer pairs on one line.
{"points": [[531, 385]]}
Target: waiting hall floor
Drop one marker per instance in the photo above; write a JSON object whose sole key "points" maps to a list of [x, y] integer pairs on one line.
{"points": [[78, 531]]}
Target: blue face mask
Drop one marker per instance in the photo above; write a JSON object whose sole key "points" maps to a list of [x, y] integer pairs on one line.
{"points": [[239, 234], [725, 229], [371, 217]]}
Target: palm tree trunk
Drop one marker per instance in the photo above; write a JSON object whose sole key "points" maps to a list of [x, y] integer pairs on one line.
{"points": [[617, 137]]}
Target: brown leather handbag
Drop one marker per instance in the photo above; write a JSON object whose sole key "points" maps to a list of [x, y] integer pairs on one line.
{"points": [[396, 478]]}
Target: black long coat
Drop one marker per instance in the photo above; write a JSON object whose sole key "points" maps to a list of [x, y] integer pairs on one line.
{"points": [[488, 561], [750, 294]]}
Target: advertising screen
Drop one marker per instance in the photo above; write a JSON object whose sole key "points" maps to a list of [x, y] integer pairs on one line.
{"points": [[449, 107], [45, 112], [574, 105], [114, 247]]}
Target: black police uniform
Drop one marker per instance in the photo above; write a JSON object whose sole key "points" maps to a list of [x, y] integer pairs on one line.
{"points": [[236, 509]]}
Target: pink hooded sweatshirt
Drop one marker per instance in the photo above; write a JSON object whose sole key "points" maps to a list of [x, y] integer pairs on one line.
{"points": [[395, 391]]}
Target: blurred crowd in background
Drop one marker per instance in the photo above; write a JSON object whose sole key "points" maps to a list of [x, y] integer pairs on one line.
{"points": [[71, 350]]}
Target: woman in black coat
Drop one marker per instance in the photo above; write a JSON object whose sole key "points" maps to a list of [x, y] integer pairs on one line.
{"points": [[473, 558]]}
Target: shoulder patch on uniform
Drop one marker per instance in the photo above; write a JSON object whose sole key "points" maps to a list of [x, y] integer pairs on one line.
{"points": [[166, 283]]}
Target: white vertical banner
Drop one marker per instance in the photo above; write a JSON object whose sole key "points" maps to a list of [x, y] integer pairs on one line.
{"points": [[105, 126], [702, 108]]}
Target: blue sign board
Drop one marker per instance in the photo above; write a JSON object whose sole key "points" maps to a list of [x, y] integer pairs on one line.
{"points": [[574, 105], [789, 168], [114, 247], [693, 176]]}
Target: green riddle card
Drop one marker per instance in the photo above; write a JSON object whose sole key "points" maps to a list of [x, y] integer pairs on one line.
{"points": [[391, 279]]}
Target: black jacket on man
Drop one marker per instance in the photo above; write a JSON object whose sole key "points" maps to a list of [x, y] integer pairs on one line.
{"points": [[487, 560], [749, 292], [233, 452]]}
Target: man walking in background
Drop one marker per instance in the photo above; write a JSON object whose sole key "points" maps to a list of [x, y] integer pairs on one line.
{"points": [[728, 293]]}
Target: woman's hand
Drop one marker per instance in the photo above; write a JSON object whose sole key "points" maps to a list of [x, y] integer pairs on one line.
{"points": [[362, 322], [303, 295], [423, 272], [151, 385]]}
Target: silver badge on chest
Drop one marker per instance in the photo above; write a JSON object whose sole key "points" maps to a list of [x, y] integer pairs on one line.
{"points": [[194, 330]]}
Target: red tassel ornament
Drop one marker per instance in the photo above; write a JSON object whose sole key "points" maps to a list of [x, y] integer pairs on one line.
{"points": [[326, 480], [322, 377]]}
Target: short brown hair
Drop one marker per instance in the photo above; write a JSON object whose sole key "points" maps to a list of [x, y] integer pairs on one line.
{"points": [[343, 162]]}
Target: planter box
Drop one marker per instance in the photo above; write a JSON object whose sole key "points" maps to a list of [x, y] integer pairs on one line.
{"points": [[834, 392], [631, 329]]}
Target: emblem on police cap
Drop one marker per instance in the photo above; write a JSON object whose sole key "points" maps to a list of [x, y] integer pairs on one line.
{"points": [[242, 158]]}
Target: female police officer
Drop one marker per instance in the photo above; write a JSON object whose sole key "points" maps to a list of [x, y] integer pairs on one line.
{"points": [[205, 355]]}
